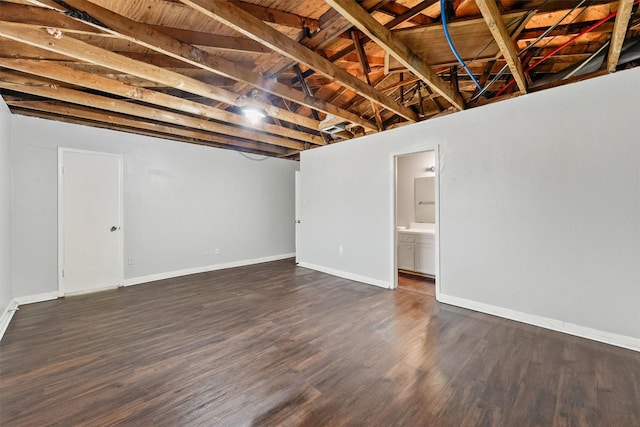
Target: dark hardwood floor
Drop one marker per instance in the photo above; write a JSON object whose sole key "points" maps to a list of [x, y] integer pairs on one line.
{"points": [[275, 344]]}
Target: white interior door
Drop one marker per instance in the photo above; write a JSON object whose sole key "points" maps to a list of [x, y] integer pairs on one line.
{"points": [[91, 252], [297, 214]]}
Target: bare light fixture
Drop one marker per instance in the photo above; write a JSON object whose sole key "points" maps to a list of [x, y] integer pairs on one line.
{"points": [[254, 114]]}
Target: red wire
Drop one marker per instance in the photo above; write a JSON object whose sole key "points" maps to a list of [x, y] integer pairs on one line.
{"points": [[562, 46]]}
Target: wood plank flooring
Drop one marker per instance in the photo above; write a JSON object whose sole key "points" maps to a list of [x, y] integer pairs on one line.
{"points": [[275, 344], [416, 283]]}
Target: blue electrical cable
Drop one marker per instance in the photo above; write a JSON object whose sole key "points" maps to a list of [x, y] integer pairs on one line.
{"points": [[443, 16]]}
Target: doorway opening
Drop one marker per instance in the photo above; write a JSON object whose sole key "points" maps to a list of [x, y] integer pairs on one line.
{"points": [[415, 222]]}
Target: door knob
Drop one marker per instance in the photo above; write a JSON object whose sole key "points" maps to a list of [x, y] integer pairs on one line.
{"points": [[114, 228]]}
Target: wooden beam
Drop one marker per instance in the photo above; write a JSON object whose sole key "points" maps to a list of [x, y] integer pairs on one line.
{"points": [[495, 22], [389, 25], [563, 30], [158, 41], [409, 14], [275, 16], [216, 41], [250, 26], [48, 89], [93, 115], [92, 81], [307, 90], [618, 34], [16, 108], [400, 50], [267, 14], [44, 17], [86, 52], [401, 83], [366, 69], [332, 25]]}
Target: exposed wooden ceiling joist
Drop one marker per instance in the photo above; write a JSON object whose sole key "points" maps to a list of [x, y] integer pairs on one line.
{"points": [[48, 89], [252, 27], [199, 38], [492, 16], [166, 59], [160, 42], [25, 14], [275, 16], [106, 85], [401, 51], [332, 25], [85, 52], [82, 115], [619, 32]]}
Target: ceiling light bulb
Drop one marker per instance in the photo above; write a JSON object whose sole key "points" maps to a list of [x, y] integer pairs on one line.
{"points": [[253, 114]]}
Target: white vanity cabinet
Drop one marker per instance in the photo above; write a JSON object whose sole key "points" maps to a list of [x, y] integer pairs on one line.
{"points": [[425, 254], [417, 252], [406, 257]]}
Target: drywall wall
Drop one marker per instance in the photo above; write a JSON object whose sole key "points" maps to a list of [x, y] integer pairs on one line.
{"points": [[5, 206], [181, 202], [539, 205], [408, 168]]}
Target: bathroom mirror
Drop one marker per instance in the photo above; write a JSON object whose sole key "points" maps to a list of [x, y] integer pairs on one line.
{"points": [[425, 199]]}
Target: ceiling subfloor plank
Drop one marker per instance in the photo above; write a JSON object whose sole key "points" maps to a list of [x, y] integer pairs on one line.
{"points": [[495, 22], [618, 34], [397, 48], [239, 20]]}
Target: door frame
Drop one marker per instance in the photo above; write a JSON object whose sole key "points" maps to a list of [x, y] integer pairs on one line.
{"points": [[394, 208], [298, 209], [61, 152]]}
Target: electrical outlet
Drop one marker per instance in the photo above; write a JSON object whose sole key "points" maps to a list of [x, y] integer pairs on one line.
{"points": [[130, 261], [340, 251], [208, 252], [217, 251]]}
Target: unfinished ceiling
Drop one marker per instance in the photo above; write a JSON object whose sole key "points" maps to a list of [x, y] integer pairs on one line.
{"points": [[318, 71]]}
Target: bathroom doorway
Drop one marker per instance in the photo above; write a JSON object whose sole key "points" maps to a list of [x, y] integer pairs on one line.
{"points": [[415, 224]]}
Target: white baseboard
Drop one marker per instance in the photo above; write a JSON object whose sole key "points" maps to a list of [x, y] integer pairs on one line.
{"points": [[346, 275], [11, 308], [30, 299], [177, 273], [7, 315], [624, 341]]}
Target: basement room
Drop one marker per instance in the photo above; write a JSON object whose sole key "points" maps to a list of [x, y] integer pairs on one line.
{"points": [[319, 213]]}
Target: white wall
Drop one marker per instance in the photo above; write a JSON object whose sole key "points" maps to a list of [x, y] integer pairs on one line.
{"points": [[5, 206], [539, 206], [181, 200], [409, 168]]}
